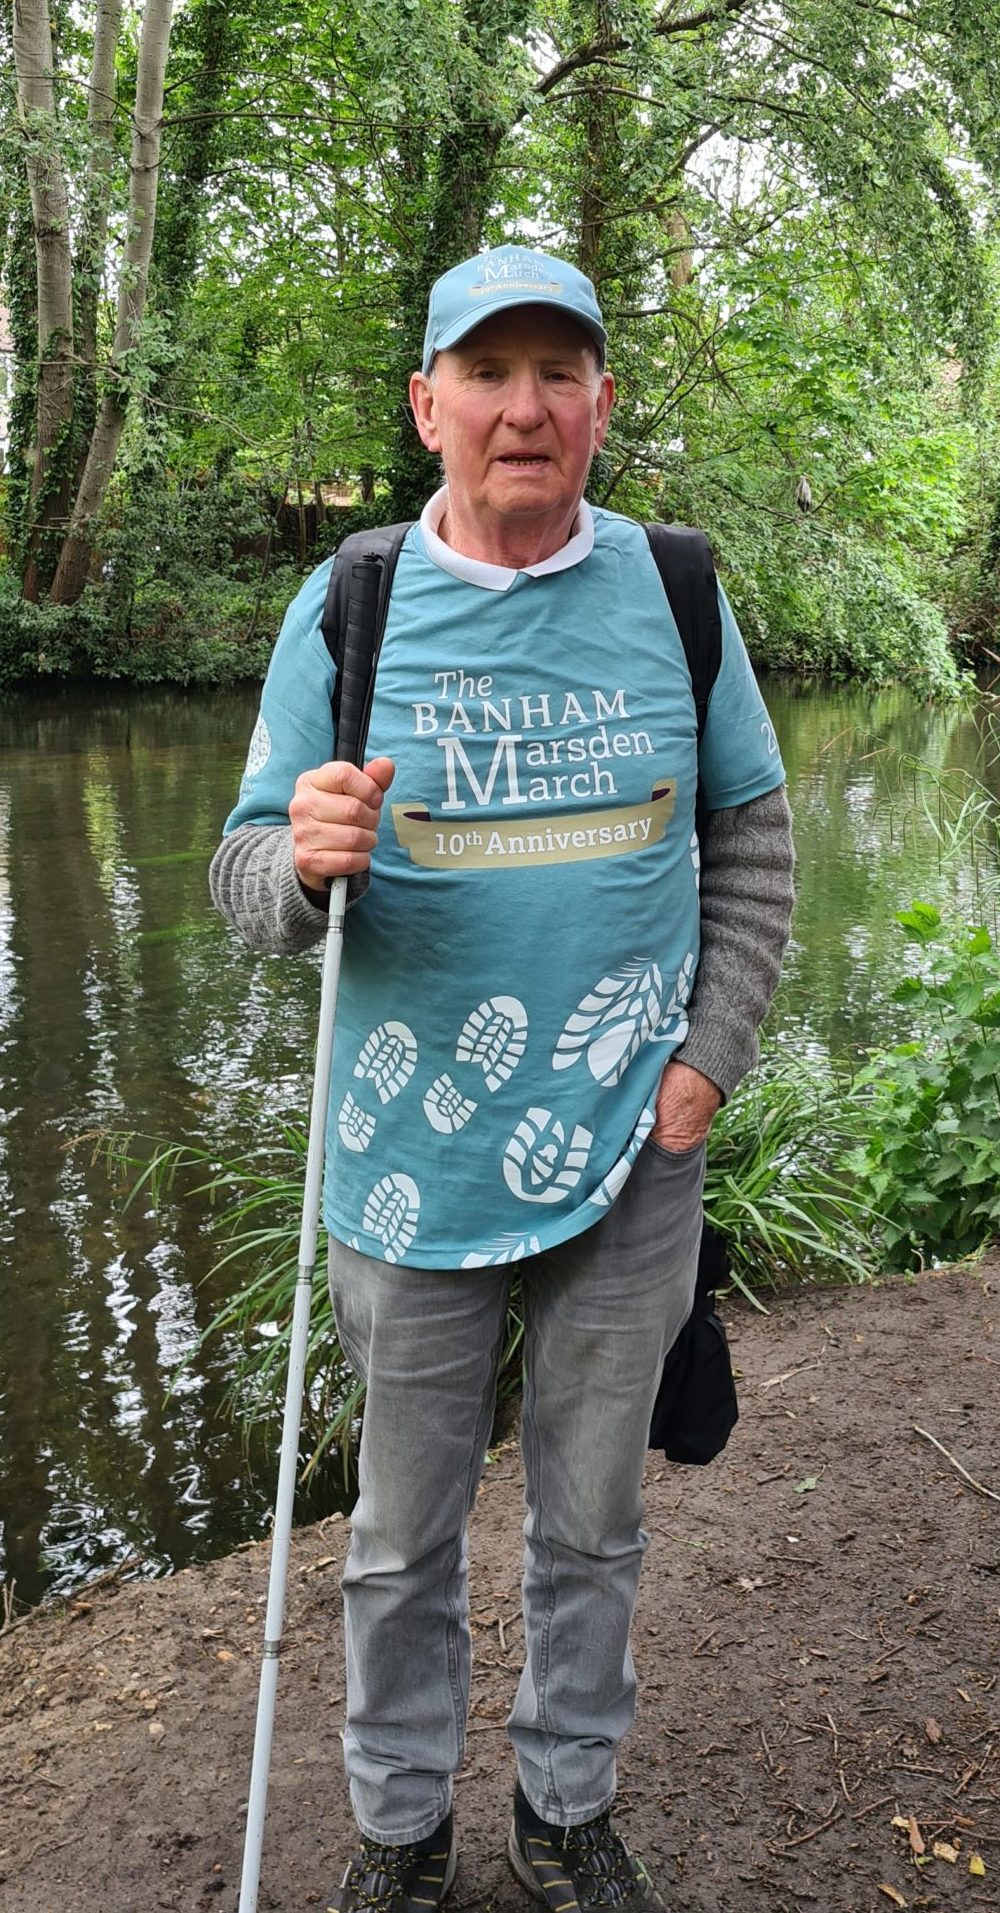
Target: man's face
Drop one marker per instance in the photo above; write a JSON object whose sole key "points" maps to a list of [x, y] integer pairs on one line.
{"points": [[516, 410]]}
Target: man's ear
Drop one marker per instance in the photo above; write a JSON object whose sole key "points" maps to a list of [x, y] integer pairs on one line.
{"points": [[422, 405], [605, 402]]}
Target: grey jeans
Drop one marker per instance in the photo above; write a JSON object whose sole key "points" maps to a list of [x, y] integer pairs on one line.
{"points": [[600, 1312]]}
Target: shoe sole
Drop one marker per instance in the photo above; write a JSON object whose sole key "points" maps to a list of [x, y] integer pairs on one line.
{"points": [[522, 1869]]}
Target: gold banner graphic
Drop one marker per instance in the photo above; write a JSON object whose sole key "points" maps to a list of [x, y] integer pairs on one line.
{"points": [[523, 842]]}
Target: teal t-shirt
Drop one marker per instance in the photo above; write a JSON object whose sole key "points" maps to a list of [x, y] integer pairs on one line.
{"points": [[518, 973]]}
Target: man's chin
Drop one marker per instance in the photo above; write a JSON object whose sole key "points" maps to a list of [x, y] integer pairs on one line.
{"points": [[538, 501]]}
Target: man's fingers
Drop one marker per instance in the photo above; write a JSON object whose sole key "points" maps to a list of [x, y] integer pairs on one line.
{"points": [[313, 841], [320, 866], [677, 1142], [381, 770], [330, 810], [341, 779], [335, 816], [340, 793]]}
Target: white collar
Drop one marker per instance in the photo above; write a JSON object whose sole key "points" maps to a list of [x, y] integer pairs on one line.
{"points": [[475, 571]]}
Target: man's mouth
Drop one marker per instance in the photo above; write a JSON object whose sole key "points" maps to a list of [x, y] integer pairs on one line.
{"points": [[523, 461]]}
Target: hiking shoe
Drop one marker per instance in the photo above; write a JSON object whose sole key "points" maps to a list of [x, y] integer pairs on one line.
{"points": [[574, 1869], [393, 1879]]}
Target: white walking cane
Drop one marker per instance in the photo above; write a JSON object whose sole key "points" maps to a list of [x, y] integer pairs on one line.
{"points": [[357, 668]]}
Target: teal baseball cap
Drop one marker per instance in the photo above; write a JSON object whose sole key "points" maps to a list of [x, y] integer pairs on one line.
{"points": [[494, 282]]}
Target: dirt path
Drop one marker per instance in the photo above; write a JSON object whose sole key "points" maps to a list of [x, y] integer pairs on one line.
{"points": [[818, 1642]]}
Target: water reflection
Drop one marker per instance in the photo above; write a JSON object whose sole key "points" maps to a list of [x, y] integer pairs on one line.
{"points": [[108, 1018], [125, 1003], [866, 846]]}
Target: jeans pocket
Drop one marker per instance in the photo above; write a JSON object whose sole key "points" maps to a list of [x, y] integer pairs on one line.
{"points": [[350, 1334], [675, 1155]]}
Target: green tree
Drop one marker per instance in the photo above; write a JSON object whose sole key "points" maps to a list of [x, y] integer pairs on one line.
{"points": [[786, 210]]}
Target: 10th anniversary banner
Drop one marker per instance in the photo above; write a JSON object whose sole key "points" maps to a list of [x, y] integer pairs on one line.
{"points": [[521, 842]]}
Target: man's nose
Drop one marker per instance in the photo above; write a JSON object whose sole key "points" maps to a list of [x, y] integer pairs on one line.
{"points": [[525, 407]]}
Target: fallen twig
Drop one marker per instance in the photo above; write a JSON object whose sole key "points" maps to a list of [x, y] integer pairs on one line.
{"points": [[973, 1483], [880, 1802], [773, 1380], [797, 1840]]}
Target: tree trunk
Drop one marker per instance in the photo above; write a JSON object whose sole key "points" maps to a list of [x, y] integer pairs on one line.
{"points": [[71, 572], [599, 160], [461, 195], [100, 158], [215, 41], [51, 478], [682, 260], [21, 288]]}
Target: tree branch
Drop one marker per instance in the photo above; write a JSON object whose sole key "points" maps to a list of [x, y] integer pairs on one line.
{"points": [[594, 52]]}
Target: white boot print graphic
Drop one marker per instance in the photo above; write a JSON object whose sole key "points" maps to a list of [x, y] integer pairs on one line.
{"points": [[391, 1214], [445, 1108], [354, 1126], [612, 1022], [503, 1248], [494, 1036], [388, 1059], [538, 1163], [616, 1178], [492, 1039], [673, 1025]]}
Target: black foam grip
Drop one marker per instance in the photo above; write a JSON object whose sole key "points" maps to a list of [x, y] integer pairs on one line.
{"points": [[358, 659]]}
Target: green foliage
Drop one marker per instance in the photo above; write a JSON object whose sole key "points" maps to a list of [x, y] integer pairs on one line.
{"points": [[775, 1185], [220, 633], [931, 1161], [787, 211], [17, 273], [840, 608]]}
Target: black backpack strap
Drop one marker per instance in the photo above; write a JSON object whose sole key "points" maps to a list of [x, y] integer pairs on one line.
{"points": [[384, 542], [686, 566], [687, 570]]}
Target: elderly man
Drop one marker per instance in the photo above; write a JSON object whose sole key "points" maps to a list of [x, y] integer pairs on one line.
{"points": [[539, 1017]]}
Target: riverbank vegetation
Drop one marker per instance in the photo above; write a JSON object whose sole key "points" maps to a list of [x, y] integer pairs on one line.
{"points": [[218, 230]]}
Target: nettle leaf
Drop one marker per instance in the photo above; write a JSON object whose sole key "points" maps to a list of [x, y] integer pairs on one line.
{"points": [[984, 1063], [949, 1169], [911, 987], [967, 997], [979, 942], [922, 919]]}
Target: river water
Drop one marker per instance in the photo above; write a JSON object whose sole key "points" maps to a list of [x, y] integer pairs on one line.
{"points": [[127, 1006]]}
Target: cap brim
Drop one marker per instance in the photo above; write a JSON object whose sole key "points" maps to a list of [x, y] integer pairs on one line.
{"points": [[460, 328]]}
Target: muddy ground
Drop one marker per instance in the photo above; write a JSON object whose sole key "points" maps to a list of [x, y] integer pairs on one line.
{"points": [[818, 1642]]}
